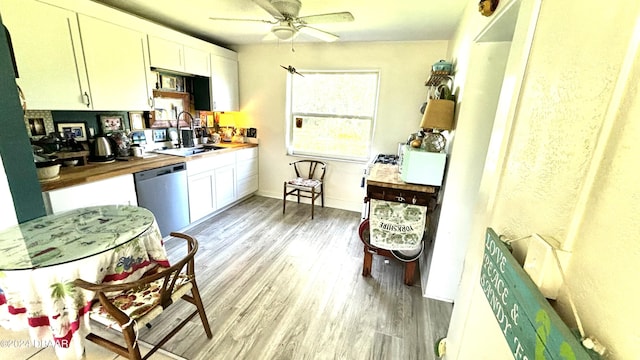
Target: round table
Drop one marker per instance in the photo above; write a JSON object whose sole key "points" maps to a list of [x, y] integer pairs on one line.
{"points": [[41, 258]]}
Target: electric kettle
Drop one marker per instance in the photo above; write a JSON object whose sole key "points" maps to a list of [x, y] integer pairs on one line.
{"points": [[102, 149]]}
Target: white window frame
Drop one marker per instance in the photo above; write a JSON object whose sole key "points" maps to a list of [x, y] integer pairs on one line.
{"points": [[290, 117]]}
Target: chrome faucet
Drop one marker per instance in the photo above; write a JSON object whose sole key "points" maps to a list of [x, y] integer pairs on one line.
{"points": [[178, 126]]}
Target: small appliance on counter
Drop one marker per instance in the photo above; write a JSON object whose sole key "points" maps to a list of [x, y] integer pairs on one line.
{"points": [[122, 145], [102, 149], [421, 167], [187, 137]]}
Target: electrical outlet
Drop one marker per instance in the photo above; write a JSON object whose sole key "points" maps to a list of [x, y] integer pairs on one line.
{"points": [[542, 267]]}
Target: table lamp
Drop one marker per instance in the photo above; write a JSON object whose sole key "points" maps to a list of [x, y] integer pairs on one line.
{"points": [[438, 116]]}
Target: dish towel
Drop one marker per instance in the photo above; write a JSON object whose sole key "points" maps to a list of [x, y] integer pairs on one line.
{"points": [[396, 226]]}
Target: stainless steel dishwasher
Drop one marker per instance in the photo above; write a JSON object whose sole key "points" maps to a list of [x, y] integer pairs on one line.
{"points": [[164, 192]]}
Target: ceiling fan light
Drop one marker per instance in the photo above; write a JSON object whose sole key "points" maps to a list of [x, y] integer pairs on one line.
{"points": [[283, 32]]}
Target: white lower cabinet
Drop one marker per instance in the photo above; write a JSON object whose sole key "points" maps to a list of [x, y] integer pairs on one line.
{"points": [[211, 182], [246, 172], [202, 201], [119, 190], [225, 185]]}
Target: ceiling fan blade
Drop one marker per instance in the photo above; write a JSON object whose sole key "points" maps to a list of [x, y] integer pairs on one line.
{"points": [[268, 7], [317, 33], [252, 20], [327, 18]]}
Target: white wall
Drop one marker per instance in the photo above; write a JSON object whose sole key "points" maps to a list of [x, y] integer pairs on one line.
{"points": [[442, 272], [404, 67], [8, 217], [566, 169]]}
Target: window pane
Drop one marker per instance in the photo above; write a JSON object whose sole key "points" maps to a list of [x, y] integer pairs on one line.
{"points": [[332, 137], [332, 114], [346, 94]]}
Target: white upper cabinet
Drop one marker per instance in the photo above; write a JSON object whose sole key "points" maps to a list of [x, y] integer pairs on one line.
{"points": [[116, 65], [224, 84], [100, 59], [69, 61], [196, 62], [48, 52], [165, 54], [171, 55]]}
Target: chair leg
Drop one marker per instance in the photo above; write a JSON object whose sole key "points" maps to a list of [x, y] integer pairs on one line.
{"points": [[298, 196], [284, 197], [313, 200], [322, 194], [203, 316], [131, 341]]}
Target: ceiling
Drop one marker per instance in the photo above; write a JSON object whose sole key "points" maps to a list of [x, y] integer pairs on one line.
{"points": [[375, 20]]}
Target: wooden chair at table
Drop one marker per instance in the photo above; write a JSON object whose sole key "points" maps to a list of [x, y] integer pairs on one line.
{"points": [[156, 291], [307, 183]]}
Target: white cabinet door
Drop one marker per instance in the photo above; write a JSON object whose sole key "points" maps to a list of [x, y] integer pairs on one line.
{"points": [[201, 195], [116, 65], [166, 54], [247, 186], [247, 172], [196, 62], [224, 84], [48, 51], [119, 190], [225, 185]]}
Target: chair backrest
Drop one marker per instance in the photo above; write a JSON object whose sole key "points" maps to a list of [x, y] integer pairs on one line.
{"points": [[169, 276], [309, 169]]}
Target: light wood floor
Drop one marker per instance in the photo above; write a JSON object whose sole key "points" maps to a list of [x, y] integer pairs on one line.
{"points": [[288, 287]]}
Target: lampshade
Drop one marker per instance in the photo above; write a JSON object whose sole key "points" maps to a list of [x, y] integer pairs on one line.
{"points": [[227, 119], [283, 32], [438, 115]]}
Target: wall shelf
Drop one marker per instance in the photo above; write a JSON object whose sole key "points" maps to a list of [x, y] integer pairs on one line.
{"points": [[438, 77]]}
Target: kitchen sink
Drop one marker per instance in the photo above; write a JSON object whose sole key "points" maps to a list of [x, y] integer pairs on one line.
{"points": [[188, 151]]}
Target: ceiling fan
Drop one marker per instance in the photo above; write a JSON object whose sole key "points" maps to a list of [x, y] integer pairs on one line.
{"points": [[287, 24]]}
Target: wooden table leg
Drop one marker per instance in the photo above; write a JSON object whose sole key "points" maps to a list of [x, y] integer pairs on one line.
{"points": [[409, 272], [366, 265]]}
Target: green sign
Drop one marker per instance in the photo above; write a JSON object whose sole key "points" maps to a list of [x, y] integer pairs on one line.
{"points": [[533, 330]]}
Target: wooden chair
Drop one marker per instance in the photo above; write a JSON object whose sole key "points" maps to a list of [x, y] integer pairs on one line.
{"points": [[308, 183], [126, 307]]}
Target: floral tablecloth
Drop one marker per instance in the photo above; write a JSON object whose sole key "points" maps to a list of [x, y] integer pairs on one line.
{"points": [[98, 244]]}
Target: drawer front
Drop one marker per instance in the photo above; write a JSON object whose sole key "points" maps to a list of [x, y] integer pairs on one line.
{"points": [[398, 195], [247, 168], [246, 154], [222, 160], [200, 165]]}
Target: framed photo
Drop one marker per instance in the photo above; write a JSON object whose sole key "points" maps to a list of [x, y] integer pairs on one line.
{"points": [[77, 131], [136, 120], [110, 123], [169, 82], [159, 135], [36, 125]]}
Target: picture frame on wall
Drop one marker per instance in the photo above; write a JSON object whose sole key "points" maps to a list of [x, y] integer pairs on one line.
{"points": [[77, 131], [159, 135], [36, 126], [111, 123], [136, 120]]}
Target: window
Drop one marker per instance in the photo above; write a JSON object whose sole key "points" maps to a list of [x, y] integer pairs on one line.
{"points": [[332, 114]]}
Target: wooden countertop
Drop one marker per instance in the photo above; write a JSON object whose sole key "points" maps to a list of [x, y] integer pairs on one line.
{"points": [[386, 175], [76, 175]]}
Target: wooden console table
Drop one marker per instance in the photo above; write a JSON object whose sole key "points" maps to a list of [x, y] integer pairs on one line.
{"points": [[384, 183]]}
